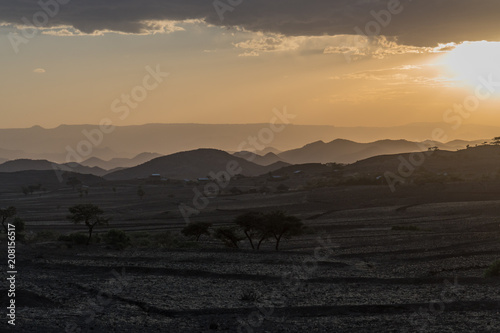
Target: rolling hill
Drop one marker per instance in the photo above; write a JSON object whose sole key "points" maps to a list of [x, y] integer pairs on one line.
{"points": [[345, 151], [466, 164], [192, 165], [119, 162], [127, 141], [265, 160], [39, 165], [48, 179]]}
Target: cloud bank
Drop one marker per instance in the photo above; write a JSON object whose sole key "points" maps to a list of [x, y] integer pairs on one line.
{"points": [[418, 23]]}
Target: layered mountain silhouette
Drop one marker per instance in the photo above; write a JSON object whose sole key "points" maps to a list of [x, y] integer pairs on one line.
{"points": [[115, 163], [47, 179], [192, 165], [267, 159], [26, 164], [467, 163], [128, 141], [345, 151]]}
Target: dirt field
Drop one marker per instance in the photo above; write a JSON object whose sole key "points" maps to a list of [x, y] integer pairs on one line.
{"points": [[353, 274]]}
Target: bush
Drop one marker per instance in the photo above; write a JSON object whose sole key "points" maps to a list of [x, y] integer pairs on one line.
{"points": [[19, 224], [250, 296], [140, 239], [77, 238], [41, 236], [118, 239], [493, 270], [20, 227], [196, 230]]}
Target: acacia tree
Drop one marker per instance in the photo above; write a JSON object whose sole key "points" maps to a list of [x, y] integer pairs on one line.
{"points": [[252, 225], [197, 229], [229, 236], [279, 225], [7, 213], [90, 214]]}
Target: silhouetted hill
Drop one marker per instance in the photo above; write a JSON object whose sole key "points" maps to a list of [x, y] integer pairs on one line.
{"points": [[345, 151], [268, 150], [26, 164], [466, 164], [128, 141], [116, 163], [192, 165], [265, 160], [48, 179]]}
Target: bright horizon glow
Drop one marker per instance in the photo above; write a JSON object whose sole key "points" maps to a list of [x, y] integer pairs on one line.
{"points": [[471, 61]]}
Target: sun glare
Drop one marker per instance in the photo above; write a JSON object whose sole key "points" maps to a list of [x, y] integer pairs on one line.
{"points": [[469, 62]]}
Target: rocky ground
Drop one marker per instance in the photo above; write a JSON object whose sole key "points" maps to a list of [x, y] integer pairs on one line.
{"points": [[355, 274]]}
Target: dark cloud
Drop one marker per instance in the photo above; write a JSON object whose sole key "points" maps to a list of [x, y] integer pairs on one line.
{"points": [[421, 22]]}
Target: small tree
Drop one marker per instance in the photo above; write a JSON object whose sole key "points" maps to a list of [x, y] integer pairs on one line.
{"points": [[279, 226], [7, 213], [496, 140], [90, 214], [229, 236], [251, 224], [141, 193], [197, 229]]}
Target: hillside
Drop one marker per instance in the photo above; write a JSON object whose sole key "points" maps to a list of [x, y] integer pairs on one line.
{"points": [[48, 179], [119, 162], [26, 165], [345, 151], [467, 163], [265, 160], [191, 165], [127, 141]]}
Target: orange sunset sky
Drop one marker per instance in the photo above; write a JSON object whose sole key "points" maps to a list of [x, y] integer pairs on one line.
{"points": [[343, 63]]}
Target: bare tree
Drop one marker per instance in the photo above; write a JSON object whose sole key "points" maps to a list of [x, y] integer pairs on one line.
{"points": [[252, 225], [280, 225], [90, 214]]}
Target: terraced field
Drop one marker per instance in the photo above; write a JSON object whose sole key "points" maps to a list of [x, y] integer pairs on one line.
{"points": [[360, 271]]}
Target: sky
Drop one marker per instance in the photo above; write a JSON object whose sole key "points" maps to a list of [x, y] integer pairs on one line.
{"points": [[330, 62]]}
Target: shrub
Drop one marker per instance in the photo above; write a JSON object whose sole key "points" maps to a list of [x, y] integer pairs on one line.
{"points": [[76, 238], [42, 236], [196, 229], [20, 227], [493, 270], [118, 239], [19, 224], [250, 295]]}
